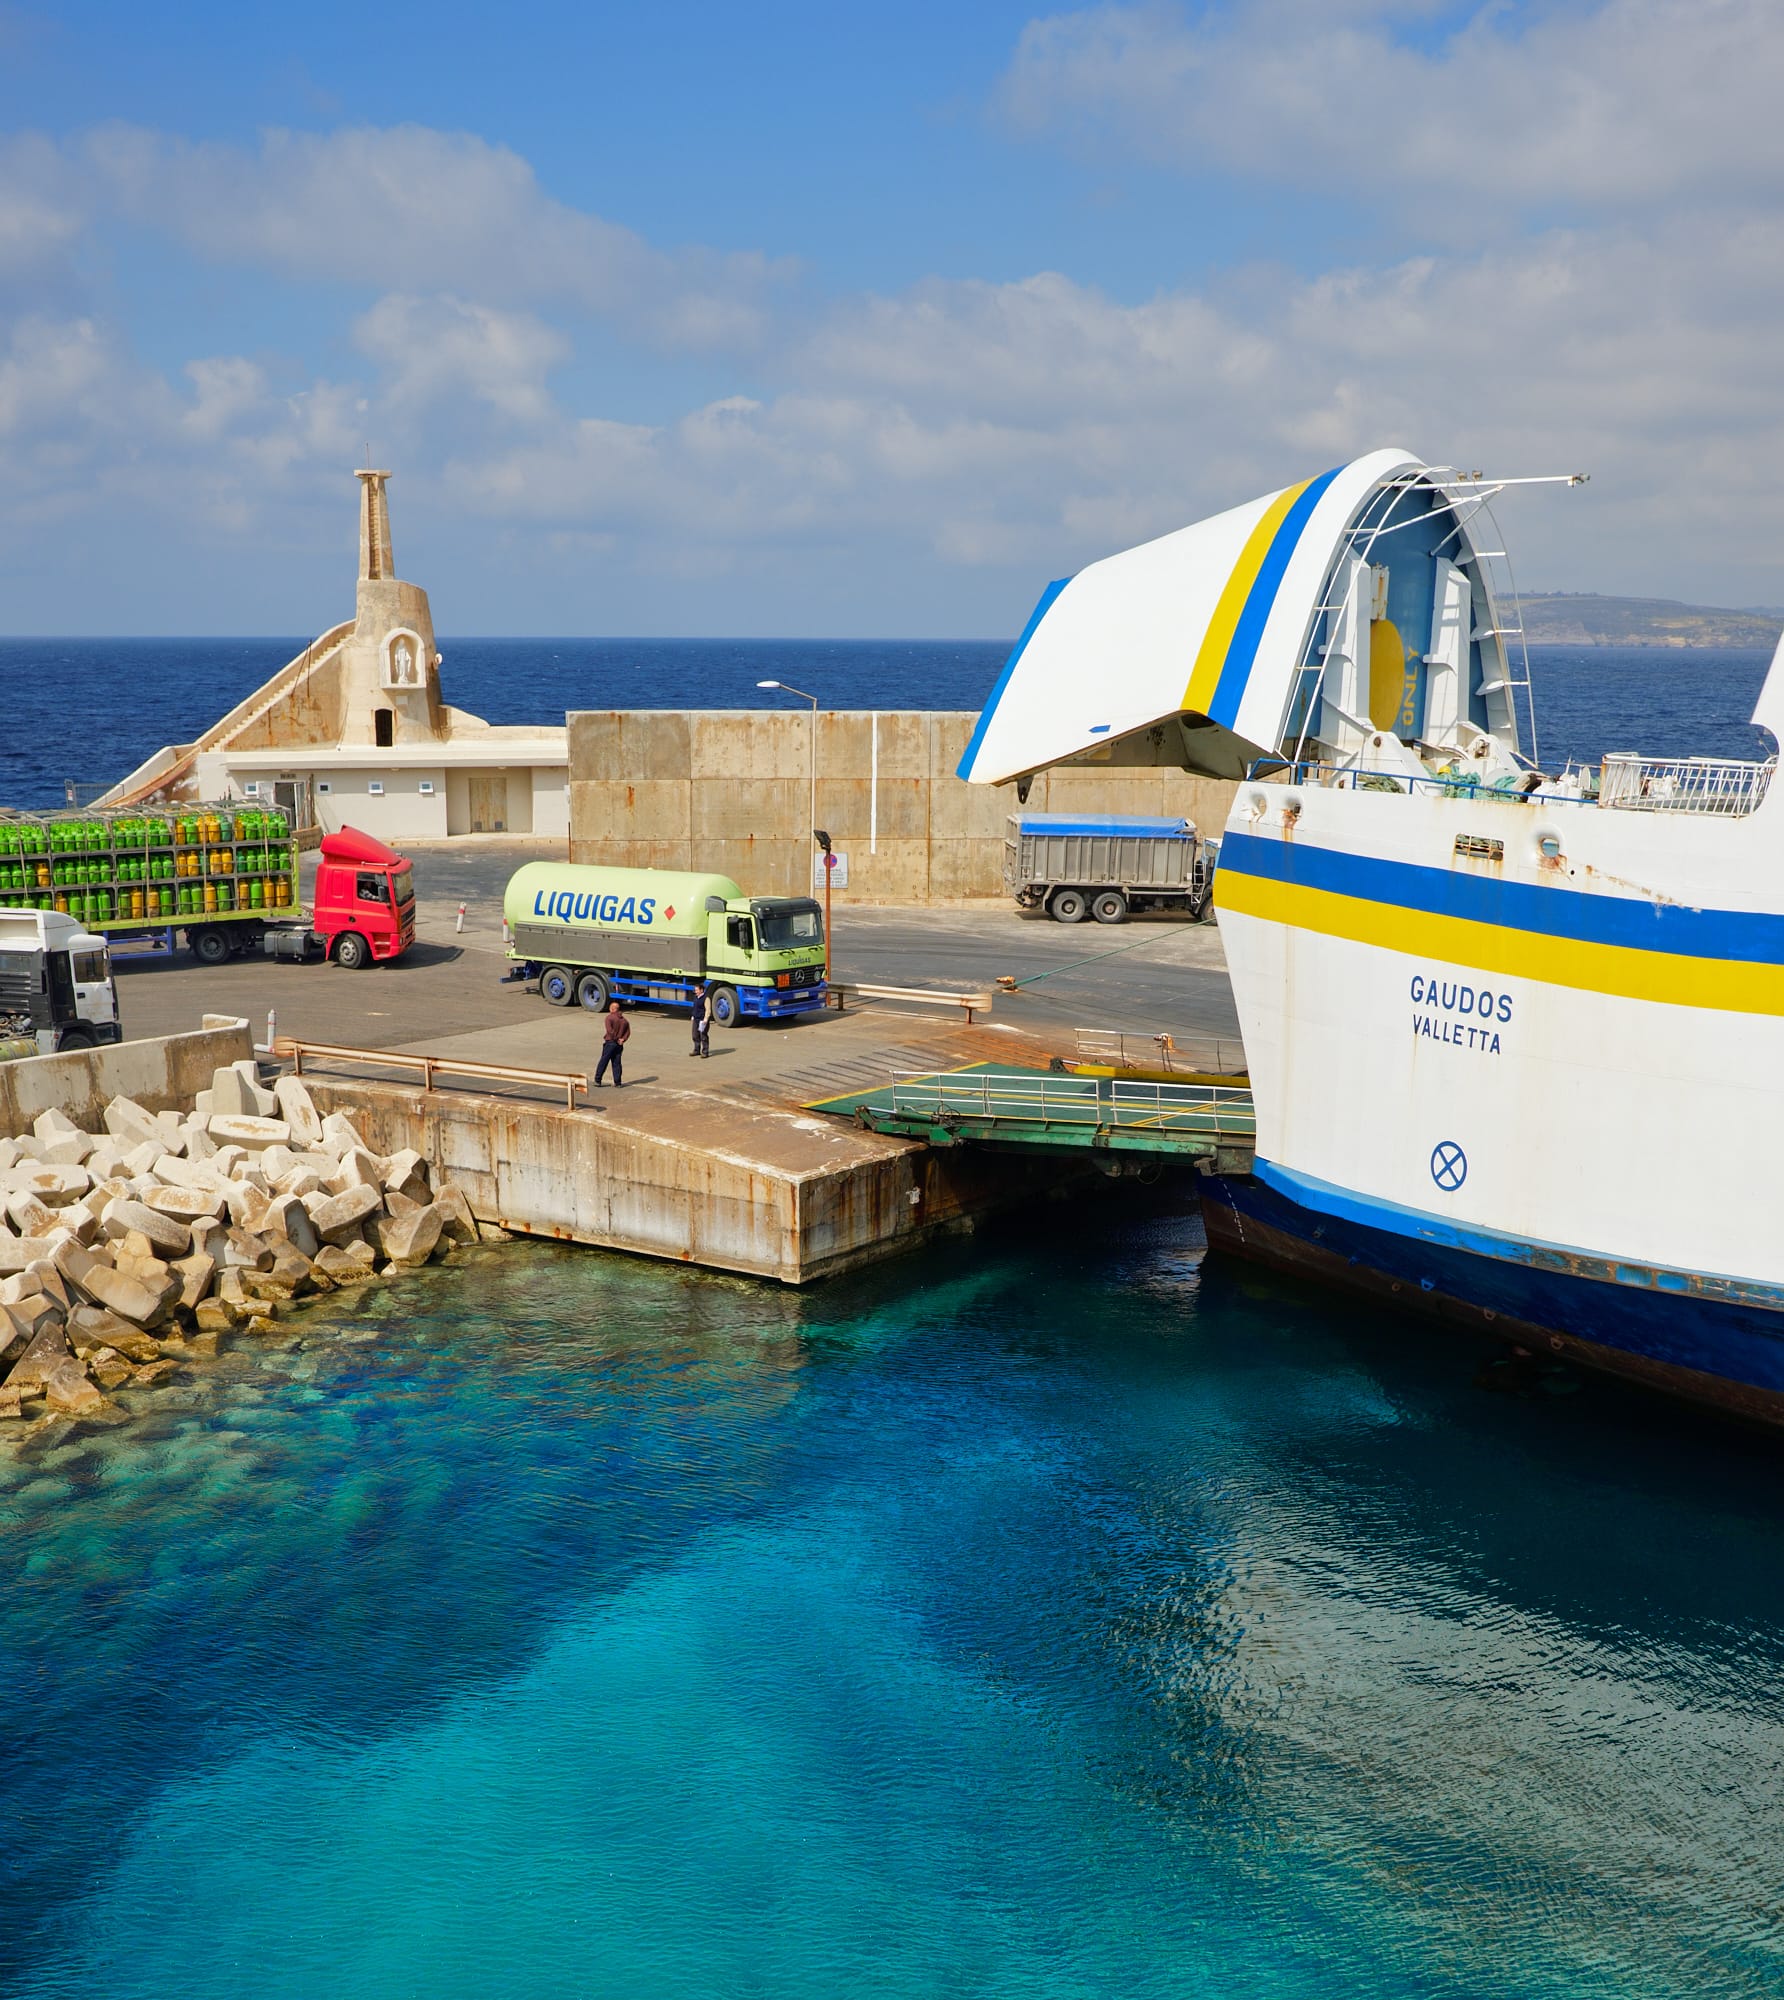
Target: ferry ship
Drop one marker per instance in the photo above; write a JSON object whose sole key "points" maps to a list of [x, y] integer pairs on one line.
{"points": [[1516, 1037]]}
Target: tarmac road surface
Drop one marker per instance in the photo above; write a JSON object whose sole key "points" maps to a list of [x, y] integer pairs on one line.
{"points": [[1143, 977]]}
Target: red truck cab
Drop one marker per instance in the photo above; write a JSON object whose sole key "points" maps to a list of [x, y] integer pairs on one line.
{"points": [[365, 899]]}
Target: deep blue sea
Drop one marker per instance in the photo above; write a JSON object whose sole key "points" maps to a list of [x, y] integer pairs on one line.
{"points": [[1042, 1617], [127, 697], [1035, 1618]]}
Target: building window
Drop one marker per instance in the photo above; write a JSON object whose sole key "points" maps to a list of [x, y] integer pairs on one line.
{"points": [[427, 788], [375, 789], [383, 727]]}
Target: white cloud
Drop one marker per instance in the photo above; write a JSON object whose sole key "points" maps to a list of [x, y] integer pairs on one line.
{"points": [[41, 213], [83, 423], [410, 209], [1036, 425], [968, 438], [442, 349], [1605, 105]]}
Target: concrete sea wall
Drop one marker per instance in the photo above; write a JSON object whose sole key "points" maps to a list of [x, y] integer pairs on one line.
{"points": [[766, 1192], [731, 790], [164, 1074]]}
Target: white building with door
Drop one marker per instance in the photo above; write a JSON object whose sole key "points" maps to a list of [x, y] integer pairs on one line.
{"points": [[354, 731]]}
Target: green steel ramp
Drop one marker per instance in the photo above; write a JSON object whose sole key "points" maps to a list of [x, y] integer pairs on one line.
{"points": [[997, 1104]]}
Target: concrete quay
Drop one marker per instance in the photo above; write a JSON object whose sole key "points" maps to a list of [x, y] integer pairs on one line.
{"points": [[715, 1162], [709, 1178]]}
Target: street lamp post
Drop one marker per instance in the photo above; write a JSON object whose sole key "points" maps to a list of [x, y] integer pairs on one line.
{"points": [[812, 698]]}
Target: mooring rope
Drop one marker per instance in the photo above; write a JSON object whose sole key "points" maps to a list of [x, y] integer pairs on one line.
{"points": [[1008, 984]]}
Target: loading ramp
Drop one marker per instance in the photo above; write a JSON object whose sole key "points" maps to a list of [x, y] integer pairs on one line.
{"points": [[997, 1104]]}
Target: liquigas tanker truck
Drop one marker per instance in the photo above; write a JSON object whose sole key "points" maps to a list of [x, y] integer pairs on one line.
{"points": [[590, 935]]}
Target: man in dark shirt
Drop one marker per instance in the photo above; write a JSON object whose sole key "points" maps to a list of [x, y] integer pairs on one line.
{"points": [[616, 1032], [702, 1019]]}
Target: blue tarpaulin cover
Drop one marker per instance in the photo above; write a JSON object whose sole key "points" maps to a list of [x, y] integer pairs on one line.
{"points": [[1137, 827]]}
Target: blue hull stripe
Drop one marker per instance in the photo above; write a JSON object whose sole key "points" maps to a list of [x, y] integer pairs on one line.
{"points": [[1745, 936], [1732, 1341], [1260, 601], [1327, 1199], [964, 768]]}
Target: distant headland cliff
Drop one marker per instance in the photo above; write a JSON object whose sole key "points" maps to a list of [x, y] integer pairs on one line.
{"points": [[1581, 618]]}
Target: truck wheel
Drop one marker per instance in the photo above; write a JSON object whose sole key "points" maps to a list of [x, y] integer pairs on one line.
{"points": [[75, 1038], [725, 1008], [1068, 906], [210, 946], [1110, 907], [594, 992], [353, 952], [557, 986]]}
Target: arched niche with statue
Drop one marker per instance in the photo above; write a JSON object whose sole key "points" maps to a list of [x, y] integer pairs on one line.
{"points": [[405, 660]]}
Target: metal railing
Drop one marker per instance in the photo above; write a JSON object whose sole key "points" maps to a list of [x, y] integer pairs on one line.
{"points": [[1037, 1099], [569, 1081], [841, 996], [1625, 782], [1732, 787]]}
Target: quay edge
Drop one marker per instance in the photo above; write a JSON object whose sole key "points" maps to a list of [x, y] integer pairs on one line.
{"points": [[763, 1191]]}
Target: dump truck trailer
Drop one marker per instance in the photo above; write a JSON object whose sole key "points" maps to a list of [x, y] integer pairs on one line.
{"points": [[223, 877], [1075, 866], [650, 936]]}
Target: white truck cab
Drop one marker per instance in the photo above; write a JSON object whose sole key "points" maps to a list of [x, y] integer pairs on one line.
{"points": [[56, 985]]}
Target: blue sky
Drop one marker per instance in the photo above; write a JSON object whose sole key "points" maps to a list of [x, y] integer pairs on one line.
{"points": [[807, 320]]}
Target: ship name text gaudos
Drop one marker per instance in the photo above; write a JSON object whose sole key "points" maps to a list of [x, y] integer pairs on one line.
{"points": [[1458, 1014]]}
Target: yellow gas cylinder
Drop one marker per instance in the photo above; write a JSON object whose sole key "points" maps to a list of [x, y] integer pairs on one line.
{"points": [[136, 902], [210, 896]]}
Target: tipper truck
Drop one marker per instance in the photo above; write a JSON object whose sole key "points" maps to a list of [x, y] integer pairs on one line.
{"points": [[1077, 865], [56, 988], [591, 935], [225, 875]]}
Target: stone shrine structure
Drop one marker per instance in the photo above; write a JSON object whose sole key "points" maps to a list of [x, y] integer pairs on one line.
{"points": [[355, 730]]}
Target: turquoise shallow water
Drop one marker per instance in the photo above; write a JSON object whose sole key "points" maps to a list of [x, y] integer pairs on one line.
{"points": [[1033, 1618]]}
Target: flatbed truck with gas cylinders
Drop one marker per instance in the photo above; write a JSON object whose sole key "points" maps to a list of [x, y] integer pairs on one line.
{"points": [[56, 989], [650, 936], [222, 876]]}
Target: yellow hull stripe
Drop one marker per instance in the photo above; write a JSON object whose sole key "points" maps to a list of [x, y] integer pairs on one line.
{"points": [[1204, 676], [1732, 986]]}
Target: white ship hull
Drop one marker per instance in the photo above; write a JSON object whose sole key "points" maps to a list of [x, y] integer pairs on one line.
{"points": [[1542, 1036]]}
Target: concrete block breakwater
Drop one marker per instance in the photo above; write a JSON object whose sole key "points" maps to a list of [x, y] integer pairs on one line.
{"points": [[136, 1247]]}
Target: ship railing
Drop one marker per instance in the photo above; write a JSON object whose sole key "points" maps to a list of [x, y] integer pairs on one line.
{"points": [[1035, 1099], [1359, 777], [1729, 786]]}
